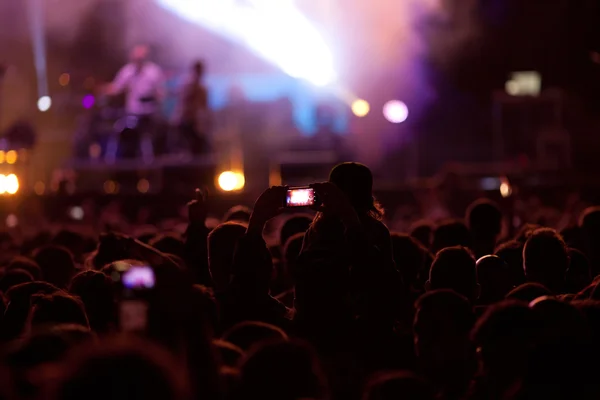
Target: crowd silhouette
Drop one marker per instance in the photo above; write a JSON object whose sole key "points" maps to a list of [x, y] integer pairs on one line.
{"points": [[339, 308]]}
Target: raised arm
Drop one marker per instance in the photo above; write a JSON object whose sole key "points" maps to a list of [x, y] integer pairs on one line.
{"points": [[196, 247]]}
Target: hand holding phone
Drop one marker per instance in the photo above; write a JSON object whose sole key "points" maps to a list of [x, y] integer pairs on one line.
{"points": [[301, 197]]}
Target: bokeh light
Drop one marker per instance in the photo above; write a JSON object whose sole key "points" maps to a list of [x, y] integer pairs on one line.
{"points": [[88, 101], [12, 221], [76, 213], [395, 111], [44, 103], [39, 188], [360, 108], [143, 186], [11, 156], [110, 187], [64, 79], [11, 184], [229, 181], [505, 189]]}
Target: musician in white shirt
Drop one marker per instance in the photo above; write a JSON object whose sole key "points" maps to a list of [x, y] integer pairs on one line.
{"points": [[142, 81], [143, 84]]}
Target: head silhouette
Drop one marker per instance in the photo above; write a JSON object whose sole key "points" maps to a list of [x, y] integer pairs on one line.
{"points": [[397, 385], [356, 181], [409, 255], [293, 226], [238, 214], [442, 323], [14, 277], [423, 232], [57, 265], [505, 336], [56, 309], [545, 259], [454, 268], [248, 333], [484, 219], [579, 274], [512, 254], [494, 278], [281, 370], [221, 247], [528, 292], [450, 233], [97, 292], [122, 368], [26, 264]]}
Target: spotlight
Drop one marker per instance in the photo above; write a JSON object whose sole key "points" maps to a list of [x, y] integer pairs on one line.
{"points": [[395, 111], [44, 103], [360, 108], [231, 181]]}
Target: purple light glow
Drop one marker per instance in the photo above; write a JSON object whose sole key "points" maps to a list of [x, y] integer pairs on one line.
{"points": [[88, 101]]}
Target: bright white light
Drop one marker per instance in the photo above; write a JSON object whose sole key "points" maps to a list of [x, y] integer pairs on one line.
{"points": [[505, 189], [229, 181], [76, 213], [276, 30], [395, 111], [11, 184], [44, 103]]}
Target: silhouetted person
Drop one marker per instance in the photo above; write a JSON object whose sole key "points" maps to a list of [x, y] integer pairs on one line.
{"points": [[169, 244], [494, 278], [445, 354], [579, 274], [505, 335], [56, 309], [589, 222], [410, 256], [281, 370], [545, 259], [454, 268], [121, 369], [221, 247], [57, 265], [97, 292], [450, 233], [13, 277], [238, 214], [248, 333], [528, 292], [512, 254], [26, 264], [397, 385], [423, 232], [484, 219]]}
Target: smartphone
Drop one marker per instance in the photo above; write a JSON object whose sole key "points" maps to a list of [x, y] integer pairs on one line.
{"points": [[137, 282], [490, 184], [300, 197], [138, 278]]}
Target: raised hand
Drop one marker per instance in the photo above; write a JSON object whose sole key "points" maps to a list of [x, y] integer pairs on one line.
{"points": [[197, 209], [267, 206]]}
